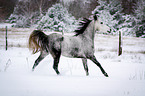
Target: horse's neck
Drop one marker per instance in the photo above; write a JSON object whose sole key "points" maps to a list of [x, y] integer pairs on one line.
{"points": [[90, 32]]}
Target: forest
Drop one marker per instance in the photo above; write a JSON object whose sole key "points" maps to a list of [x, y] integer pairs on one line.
{"points": [[63, 15]]}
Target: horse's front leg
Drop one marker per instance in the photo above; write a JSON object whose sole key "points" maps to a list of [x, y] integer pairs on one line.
{"points": [[93, 58], [40, 58], [84, 60]]}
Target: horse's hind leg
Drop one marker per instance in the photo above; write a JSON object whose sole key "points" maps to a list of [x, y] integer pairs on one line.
{"points": [[93, 58], [85, 65], [55, 65], [42, 55], [56, 58]]}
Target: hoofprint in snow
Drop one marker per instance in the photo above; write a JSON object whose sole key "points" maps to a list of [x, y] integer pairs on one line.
{"points": [[126, 72]]}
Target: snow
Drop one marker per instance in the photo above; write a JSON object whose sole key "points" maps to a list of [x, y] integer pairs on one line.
{"points": [[126, 72], [3, 25], [125, 78], [66, 2]]}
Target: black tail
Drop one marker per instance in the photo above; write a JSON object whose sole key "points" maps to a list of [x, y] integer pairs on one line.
{"points": [[38, 41]]}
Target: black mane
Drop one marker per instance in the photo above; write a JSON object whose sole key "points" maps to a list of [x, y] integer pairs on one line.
{"points": [[83, 25]]}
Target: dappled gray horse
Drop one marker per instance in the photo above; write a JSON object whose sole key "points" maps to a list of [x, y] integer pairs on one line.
{"points": [[80, 45]]}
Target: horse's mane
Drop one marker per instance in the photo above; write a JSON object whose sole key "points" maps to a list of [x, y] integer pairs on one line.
{"points": [[83, 25]]}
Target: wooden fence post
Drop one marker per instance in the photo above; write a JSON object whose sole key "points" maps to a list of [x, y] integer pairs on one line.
{"points": [[120, 44], [6, 38]]}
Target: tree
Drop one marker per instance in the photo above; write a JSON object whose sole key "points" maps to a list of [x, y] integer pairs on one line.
{"points": [[23, 14], [134, 24], [80, 8], [57, 18], [28, 12], [43, 5], [140, 18], [128, 6], [6, 8], [128, 26]]}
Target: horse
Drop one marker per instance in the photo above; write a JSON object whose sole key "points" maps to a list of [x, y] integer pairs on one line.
{"points": [[80, 45]]}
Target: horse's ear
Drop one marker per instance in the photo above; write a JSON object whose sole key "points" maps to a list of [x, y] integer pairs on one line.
{"points": [[95, 17]]}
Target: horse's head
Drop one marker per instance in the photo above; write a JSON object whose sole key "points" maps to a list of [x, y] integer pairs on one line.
{"points": [[97, 23]]}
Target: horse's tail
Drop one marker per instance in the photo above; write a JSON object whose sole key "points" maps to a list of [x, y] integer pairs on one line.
{"points": [[38, 41]]}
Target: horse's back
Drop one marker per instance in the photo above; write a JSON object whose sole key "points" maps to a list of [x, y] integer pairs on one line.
{"points": [[55, 36]]}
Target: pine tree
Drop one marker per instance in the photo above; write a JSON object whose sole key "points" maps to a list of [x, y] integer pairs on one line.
{"points": [[23, 16], [140, 18], [14, 16], [128, 25], [57, 18]]}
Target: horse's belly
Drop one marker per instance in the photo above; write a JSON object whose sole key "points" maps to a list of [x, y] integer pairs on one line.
{"points": [[72, 52], [73, 55], [66, 54]]}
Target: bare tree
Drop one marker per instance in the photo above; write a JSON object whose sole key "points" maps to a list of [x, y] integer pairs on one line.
{"points": [[80, 8], [128, 6], [6, 8], [43, 5]]}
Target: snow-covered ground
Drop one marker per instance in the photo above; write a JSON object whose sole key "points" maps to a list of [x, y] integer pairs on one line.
{"points": [[126, 72]]}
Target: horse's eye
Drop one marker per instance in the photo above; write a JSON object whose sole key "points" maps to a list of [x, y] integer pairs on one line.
{"points": [[101, 22]]}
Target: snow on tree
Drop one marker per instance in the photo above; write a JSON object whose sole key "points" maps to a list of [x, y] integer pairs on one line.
{"points": [[24, 15], [140, 18], [128, 26], [14, 16], [134, 24], [18, 20], [110, 14], [12, 19], [57, 18]]}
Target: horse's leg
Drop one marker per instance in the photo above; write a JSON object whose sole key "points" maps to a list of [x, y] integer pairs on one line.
{"points": [[93, 58], [56, 61], [55, 65], [85, 66], [40, 58]]}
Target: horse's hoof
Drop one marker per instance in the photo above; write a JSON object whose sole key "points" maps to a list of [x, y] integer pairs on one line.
{"points": [[87, 74], [57, 73], [105, 74], [32, 70]]}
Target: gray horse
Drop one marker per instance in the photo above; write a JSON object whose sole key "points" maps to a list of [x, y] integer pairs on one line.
{"points": [[80, 45]]}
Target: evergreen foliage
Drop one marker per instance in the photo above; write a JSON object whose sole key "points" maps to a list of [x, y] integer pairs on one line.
{"points": [[57, 18], [23, 17], [128, 25], [140, 18]]}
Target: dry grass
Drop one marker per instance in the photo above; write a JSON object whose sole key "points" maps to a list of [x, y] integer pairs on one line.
{"points": [[18, 37], [4, 29]]}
